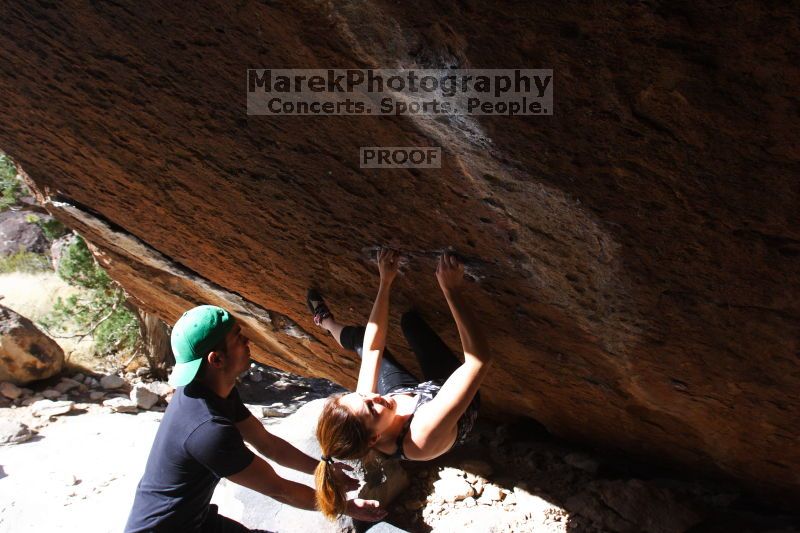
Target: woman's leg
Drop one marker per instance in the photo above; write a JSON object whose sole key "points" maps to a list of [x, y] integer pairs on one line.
{"points": [[392, 375], [435, 358], [334, 328]]}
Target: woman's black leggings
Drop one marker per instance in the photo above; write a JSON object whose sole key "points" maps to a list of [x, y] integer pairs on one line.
{"points": [[434, 357]]}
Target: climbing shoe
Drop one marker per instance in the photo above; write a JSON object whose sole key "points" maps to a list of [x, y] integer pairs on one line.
{"points": [[317, 307]]}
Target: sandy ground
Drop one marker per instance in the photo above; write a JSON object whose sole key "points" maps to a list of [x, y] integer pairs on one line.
{"points": [[78, 474]]}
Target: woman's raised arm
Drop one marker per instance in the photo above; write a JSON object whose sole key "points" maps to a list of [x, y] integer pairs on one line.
{"points": [[375, 335], [435, 428]]}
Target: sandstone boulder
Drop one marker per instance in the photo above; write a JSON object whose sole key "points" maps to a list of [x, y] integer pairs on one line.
{"points": [[26, 354]]}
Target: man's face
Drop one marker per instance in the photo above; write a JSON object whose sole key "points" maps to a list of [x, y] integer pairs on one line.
{"points": [[237, 351]]}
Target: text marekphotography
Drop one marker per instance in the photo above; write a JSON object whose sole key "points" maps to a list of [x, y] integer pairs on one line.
{"points": [[399, 92]]}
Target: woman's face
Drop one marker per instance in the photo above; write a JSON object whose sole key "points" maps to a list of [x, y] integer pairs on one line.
{"points": [[375, 411]]}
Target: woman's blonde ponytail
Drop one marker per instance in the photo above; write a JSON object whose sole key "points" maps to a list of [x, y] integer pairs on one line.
{"points": [[343, 436]]}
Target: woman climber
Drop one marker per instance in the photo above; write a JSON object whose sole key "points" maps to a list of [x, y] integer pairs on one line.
{"points": [[391, 411]]}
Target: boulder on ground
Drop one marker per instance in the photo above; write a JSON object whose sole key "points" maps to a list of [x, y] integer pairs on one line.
{"points": [[385, 479], [26, 354]]}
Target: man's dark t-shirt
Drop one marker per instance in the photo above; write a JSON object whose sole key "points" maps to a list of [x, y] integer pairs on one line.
{"points": [[196, 444]]}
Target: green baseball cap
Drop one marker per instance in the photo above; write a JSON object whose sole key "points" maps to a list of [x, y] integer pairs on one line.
{"points": [[195, 334]]}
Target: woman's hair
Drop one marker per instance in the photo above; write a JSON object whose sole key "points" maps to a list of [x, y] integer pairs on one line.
{"points": [[342, 435]]}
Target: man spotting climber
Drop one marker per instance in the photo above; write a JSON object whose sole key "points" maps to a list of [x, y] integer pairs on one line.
{"points": [[201, 438]]}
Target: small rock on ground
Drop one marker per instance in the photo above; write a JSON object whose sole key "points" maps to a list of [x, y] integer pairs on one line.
{"points": [[121, 405], [13, 432], [160, 388], [143, 397], [51, 394], [111, 382], [10, 391], [453, 489], [50, 408], [67, 384]]}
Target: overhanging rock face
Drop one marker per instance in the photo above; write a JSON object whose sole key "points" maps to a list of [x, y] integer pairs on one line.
{"points": [[635, 254]]}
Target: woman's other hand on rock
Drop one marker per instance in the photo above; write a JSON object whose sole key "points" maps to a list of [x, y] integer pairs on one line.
{"points": [[388, 264], [450, 272]]}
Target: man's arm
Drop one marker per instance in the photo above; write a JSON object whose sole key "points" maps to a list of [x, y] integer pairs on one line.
{"points": [[261, 477], [285, 454], [274, 447]]}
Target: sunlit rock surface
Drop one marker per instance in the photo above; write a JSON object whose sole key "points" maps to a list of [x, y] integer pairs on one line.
{"points": [[636, 254]]}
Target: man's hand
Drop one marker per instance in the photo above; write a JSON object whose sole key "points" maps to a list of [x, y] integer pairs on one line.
{"points": [[449, 272], [388, 264], [366, 510], [342, 479]]}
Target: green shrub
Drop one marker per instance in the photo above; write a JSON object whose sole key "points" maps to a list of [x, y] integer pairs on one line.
{"points": [[78, 267], [119, 332], [51, 228], [23, 261], [11, 188], [101, 310]]}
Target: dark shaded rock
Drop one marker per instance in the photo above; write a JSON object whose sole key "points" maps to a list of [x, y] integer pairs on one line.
{"points": [[19, 232], [633, 506]]}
